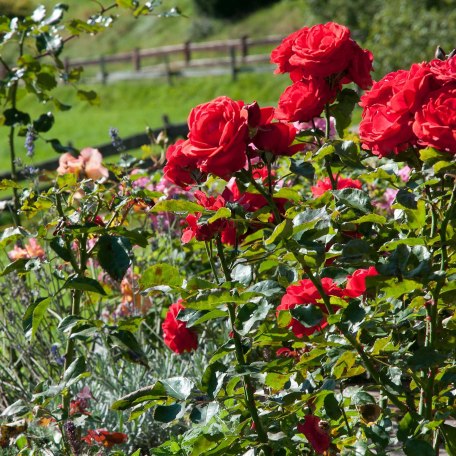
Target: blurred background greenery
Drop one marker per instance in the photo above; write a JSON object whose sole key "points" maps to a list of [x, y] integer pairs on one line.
{"points": [[399, 32]]}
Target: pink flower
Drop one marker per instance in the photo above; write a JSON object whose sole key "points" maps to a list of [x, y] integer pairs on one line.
{"points": [[31, 250], [88, 163]]}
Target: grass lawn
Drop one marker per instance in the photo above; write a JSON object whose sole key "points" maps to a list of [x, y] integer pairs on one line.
{"points": [[131, 106]]}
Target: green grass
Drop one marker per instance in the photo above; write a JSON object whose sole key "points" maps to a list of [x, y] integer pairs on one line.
{"points": [[131, 106]]}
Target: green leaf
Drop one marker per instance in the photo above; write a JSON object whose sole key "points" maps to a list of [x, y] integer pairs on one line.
{"points": [[332, 407], [160, 274], [449, 434], [391, 245], [394, 288], [424, 358], [348, 153], [33, 316], [148, 393], [178, 387], [302, 168], [201, 414], [407, 198], [12, 234], [84, 284], [179, 206], [308, 316], [167, 413], [44, 123], [196, 317], [114, 255], [370, 218], [74, 371], [213, 377], [342, 110], [221, 213], [13, 117], [58, 147], [242, 273], [282, 231], [90, 96], [133, 353], [362, 398], [210, 299], [18, 265], [58, 245], [6, 184], [414, 447], [355, 198]]}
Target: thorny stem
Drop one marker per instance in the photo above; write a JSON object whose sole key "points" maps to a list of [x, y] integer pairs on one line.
{"points": [[368, 363], [248, 385], [327, 134], [427, 394]]}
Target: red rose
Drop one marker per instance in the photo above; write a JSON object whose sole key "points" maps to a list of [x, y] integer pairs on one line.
{"points": [[304, 100], [104, 437], [277, 138], [316, 433], [435, 122], [282, 53], [181, 167], [305, 293], [218, 136], [389, 109], [444, 71], [360, 67], [324, 50], [324, 185], [356, 283], [206, 231], [175, 332]]}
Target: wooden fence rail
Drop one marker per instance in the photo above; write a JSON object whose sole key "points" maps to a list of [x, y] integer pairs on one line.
{"points": [[130, 143], [230, 48]]}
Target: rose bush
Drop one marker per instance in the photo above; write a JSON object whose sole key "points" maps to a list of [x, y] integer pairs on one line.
{"points": [[268, 306]]}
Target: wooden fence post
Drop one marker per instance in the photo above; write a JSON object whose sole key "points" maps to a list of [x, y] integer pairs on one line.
{"points": [[136, 57], [244, 47], [234, 70], [187, 53], [103, 70], [169, 75]]}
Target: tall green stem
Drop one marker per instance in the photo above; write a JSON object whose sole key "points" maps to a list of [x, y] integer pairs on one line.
{"points": [[249, 389], [327, 135]]}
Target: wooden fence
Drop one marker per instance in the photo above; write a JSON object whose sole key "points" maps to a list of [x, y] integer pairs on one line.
{"points": [[232, 53], [129, 143]]}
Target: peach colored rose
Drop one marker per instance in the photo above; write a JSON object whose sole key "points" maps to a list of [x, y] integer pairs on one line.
{"points": [[88, 162], [31, 250]]}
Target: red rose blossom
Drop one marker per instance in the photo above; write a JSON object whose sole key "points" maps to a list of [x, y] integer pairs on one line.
{"points": [[218, 136], [277, 138], [444, 71], [323, 185], [181, 168], [304, 100], [389, 109], [324, 50], [316, 433], [105, 438], [305, 293], [356, 283], [204, 231], [176, 335], [435, 122]]}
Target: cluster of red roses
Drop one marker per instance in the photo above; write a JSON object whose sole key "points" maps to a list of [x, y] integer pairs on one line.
{"points": [[305, 293], [319, 59], [223, 135], [415, 107], [181, 339], [104, 438]]}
